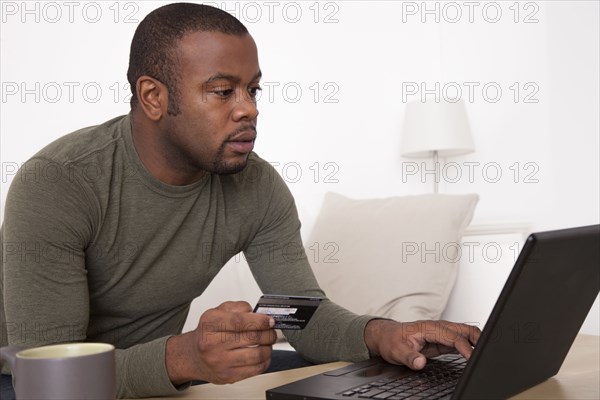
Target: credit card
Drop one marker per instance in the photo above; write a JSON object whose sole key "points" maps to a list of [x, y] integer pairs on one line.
{"points": [[289, 312]]}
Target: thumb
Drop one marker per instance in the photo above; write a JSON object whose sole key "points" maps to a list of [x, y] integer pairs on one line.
{"points": [[415, 360], [235, 306], [407, 355]]}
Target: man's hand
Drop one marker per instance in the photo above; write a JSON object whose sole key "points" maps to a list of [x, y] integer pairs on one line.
{"points": [[230, 344], [410, 343]]}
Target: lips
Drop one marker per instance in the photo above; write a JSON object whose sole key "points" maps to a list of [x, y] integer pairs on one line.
{"points": [[243, 142], [241, 147]]}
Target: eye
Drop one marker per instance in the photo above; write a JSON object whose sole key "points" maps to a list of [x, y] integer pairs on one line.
{"points": [[254, 90], [223, 93]]}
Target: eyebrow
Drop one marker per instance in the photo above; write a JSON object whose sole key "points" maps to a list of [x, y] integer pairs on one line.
{"points": [[231, 78]]}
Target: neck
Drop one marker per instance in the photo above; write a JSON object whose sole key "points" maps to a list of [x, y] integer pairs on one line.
{"points": [[153, 154]]}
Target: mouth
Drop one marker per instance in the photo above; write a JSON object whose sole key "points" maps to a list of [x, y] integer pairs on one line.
{"points": [[242, 147], [243, 142]]}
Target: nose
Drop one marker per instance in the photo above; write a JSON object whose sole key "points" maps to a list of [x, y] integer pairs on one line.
{"points": [[245, 107]]}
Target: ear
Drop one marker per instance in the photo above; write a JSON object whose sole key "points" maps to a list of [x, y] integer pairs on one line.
{"points": [[153, 97]]}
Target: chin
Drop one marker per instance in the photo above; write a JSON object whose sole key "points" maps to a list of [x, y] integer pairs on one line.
{"points": [[230, 168]]}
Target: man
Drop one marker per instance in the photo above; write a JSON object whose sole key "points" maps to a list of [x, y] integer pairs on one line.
{"points": [[110, 232]]}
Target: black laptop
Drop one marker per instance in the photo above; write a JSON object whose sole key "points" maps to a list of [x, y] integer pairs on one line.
{"points": [[537, 316]]}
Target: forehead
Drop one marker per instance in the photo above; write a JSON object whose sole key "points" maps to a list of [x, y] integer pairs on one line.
{"points": [[203, 54]]}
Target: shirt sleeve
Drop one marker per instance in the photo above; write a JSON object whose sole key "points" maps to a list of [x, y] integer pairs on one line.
{"points": [[49, 222], [279, 264]]}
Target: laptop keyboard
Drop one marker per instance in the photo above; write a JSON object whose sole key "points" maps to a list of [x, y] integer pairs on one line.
{"points": [[436, 381]]}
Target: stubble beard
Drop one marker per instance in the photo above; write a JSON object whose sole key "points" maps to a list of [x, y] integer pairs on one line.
{"points": [[221, 167]]}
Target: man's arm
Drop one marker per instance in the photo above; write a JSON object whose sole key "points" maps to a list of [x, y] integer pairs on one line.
{"points": [[50, 219], [45, 284], [278, 262]]}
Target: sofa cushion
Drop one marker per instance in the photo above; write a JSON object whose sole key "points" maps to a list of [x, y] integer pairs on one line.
{"points": [[394, 257]]}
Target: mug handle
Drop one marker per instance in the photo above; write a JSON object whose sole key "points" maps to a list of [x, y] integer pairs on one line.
{"points": [[9, 354]]}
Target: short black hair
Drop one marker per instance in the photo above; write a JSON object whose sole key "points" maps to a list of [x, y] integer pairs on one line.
{"points": [[154, 44]]}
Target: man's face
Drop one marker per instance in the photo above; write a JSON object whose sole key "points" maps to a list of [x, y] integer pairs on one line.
{"points": [[216, 128]]}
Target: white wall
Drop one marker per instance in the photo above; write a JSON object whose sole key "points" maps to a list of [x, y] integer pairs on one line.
{"points": [[56, 55]]}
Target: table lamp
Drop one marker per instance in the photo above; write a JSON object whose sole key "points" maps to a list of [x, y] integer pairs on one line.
{"points": [[436, 129]]}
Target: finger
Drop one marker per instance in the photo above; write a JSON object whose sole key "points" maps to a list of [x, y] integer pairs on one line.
{"points": [[457, 336], [471, 332], [240, 373], [415, 360], [254, 338], [469, 335], [464, 348], [260, 338], [249, 356], [407, 353], [235, 306], [218, 319], [234, 340], [474, 334], [244, 363], [436, 349]]}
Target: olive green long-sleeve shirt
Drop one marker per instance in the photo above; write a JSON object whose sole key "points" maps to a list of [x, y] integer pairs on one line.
{"points": [[94, 248]]}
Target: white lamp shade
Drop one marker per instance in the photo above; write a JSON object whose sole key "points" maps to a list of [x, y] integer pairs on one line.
{"points": [[436, 126]]}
